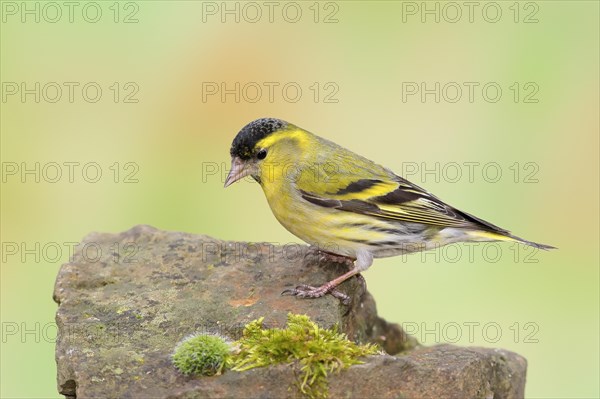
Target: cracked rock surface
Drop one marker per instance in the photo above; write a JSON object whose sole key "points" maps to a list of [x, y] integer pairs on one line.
{"points": [[125, 300]]}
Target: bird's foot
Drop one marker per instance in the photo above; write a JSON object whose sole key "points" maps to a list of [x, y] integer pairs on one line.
{"points": [[308, 291], [336, 258]]}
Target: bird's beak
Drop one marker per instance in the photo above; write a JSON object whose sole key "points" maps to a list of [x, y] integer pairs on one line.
{"points": [[239, 170]]}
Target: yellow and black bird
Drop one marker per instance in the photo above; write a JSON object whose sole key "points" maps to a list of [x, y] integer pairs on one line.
{"points": [[332, 198]]}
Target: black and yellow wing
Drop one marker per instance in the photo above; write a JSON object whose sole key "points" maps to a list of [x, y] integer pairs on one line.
{"points": [[394, 199]]}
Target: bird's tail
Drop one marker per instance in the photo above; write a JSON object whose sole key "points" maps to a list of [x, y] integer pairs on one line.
{"points": [[481, 235], [530, 243]]}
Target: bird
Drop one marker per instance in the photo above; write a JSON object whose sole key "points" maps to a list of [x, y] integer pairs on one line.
{"points": [[333, 198]]}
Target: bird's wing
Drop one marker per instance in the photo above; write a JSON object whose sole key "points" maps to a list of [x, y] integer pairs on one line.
{"points": [[388, 197]]}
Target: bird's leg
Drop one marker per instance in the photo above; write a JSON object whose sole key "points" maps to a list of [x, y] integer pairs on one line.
{"points": [[364, 259], [349, 262]]}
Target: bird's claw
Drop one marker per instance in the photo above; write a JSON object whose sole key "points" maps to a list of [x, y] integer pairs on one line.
{"points": [[336, 258], [308, 291]]}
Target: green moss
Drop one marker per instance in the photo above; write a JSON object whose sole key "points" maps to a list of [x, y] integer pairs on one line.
{"points": [[318, 351], [202, 354]]}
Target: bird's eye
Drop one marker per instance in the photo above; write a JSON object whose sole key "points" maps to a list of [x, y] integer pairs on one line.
{"points": [[261, 154]]}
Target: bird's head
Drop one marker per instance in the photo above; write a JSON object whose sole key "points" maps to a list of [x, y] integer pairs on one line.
{"points": [[260, 147]]}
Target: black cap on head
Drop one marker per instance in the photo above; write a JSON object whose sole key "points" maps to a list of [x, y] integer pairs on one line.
{"points": [[252, 133]]}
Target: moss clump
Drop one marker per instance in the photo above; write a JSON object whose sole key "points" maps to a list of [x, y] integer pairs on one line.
{"points": [[318, 351], [204, 354]]}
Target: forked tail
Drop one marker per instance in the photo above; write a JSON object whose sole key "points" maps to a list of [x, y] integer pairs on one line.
{"points": [[481, 235], [530, 243]]}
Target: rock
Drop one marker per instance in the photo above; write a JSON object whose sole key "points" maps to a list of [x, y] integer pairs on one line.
{"points": [[443, 371], [125, 300]]}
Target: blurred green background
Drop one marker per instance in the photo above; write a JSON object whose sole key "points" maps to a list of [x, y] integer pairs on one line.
{"points": [[160, 122]]}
